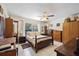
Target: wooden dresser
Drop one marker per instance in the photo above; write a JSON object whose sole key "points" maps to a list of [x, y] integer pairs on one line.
{"points": [[57, 35]]}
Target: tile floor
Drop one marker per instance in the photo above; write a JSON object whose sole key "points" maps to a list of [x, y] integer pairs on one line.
{"points": [[48, 51]]}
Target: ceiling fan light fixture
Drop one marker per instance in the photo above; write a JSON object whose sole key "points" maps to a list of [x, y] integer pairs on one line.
{"points": [[45, 19]]}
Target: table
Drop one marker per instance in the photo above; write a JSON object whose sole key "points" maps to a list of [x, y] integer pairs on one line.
{"points": [[62, 51]]}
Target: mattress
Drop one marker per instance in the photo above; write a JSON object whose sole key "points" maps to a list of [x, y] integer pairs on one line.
{"points": [[39, 38]]}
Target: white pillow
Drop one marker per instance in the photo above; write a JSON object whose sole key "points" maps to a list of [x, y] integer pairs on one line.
{"points": [[33, 33]]}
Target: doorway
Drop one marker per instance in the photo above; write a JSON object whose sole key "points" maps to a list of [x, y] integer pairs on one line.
{"points": [[15, 30]]}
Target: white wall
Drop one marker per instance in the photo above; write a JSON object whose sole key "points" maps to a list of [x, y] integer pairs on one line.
{"points": [[33, 22], [54, 23], [22, 22]]}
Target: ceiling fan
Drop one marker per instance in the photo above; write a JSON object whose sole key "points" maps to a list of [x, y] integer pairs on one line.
{"points": [[45, 16]]}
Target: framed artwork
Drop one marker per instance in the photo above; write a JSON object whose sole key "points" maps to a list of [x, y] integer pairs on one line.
{"points": [[58, 24]]}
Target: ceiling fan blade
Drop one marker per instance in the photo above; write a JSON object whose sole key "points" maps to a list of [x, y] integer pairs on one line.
{"points": [[50, 15]]}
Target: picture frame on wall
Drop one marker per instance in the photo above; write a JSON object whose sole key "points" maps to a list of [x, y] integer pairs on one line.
{"points": [[58, 24]]}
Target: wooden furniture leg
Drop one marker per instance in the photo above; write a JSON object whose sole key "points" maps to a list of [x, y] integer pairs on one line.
{"points": [[36, 44]]}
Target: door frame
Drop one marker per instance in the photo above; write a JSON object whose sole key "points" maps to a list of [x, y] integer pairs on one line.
{"points": [[17, 37]]}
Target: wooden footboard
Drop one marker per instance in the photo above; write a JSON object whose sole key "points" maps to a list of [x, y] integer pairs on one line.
{"points": [[41, 44]]}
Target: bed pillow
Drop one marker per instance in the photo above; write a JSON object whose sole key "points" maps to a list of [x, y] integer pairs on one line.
{"points": [[33, 33]]}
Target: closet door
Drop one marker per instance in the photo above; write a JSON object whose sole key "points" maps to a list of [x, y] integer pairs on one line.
{"points": [[72, 35], [78, 28], [8, 28], [69, 34], [65, 33]]}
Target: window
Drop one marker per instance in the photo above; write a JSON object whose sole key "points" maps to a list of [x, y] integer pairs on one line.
{"points": [[31, 27]]}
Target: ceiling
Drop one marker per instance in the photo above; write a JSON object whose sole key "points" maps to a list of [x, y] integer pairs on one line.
{"points": [[34, 10]]}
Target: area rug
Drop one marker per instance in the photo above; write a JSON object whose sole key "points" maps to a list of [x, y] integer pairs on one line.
{"points": [[25, 45]]}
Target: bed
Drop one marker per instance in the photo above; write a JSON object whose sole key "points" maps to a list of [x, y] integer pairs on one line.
{"points": [[38, 41]]}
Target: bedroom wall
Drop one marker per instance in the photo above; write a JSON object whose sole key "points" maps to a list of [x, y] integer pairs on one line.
{"points": [[33, 22], [54, 23], [22, 22], [61, 21]]}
